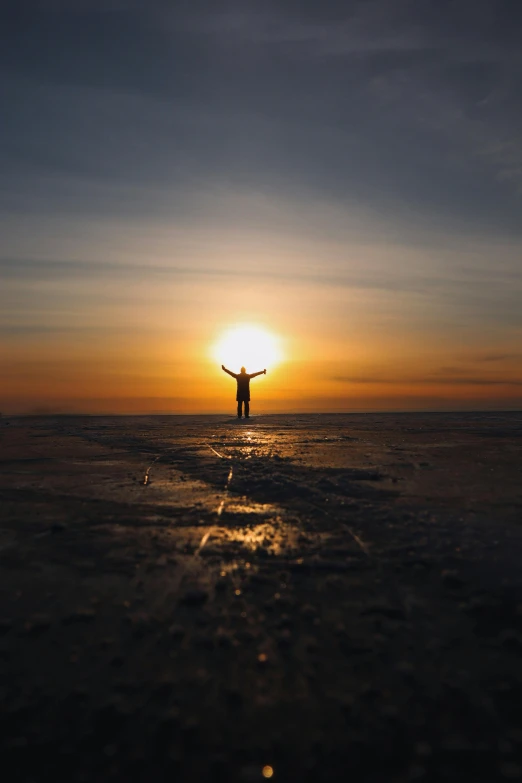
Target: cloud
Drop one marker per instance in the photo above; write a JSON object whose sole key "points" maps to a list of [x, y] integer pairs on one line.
{"points": [[499, 357], [452, 380], [450, 73], [47, 269], [400, 106]]}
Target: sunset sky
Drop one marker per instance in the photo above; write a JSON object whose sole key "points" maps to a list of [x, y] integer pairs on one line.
{"points": [[344, 175]]}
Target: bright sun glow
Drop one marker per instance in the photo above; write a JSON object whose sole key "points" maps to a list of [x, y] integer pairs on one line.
{"points": [[247, 346]]}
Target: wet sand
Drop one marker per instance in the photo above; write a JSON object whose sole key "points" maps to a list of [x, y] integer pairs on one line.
{"points": [[323, 597]]}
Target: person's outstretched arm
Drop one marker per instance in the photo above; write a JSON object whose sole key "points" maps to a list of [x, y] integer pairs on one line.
{"points": [[261, 372], [233, 374]]}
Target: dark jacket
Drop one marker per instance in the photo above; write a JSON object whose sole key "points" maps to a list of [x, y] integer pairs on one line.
{"points": [[243, 384]]}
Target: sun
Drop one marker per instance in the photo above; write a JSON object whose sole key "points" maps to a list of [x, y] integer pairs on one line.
{"points": [[247, 346]]}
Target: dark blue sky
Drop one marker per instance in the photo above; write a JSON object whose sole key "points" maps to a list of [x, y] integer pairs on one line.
{"points": [[392, 104]]}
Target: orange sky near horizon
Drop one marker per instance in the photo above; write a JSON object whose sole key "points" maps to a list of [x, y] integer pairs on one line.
{"points": [[332, 360], [387, 329]]}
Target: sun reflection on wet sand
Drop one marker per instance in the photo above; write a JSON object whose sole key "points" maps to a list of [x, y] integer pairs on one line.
{"points": [[272, 539]]}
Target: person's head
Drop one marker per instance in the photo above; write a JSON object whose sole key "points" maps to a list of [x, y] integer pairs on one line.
{"points": [[243, 370]]}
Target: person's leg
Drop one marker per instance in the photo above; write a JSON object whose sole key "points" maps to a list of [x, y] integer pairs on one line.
{"points": [[239, 407], [247, 409]]}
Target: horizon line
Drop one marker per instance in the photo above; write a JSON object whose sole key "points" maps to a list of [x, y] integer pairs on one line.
{"points": [[358, 412]]}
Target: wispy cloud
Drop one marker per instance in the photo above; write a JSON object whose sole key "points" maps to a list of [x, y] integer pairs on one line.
{"points": [[414, 61], [498, 357], [452, 380]]}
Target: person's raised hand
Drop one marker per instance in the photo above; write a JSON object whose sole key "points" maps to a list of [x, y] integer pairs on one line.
{"points": [[264, 371], [222, 366]]}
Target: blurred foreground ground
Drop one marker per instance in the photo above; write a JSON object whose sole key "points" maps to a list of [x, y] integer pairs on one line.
{"points": [[196, 598]]}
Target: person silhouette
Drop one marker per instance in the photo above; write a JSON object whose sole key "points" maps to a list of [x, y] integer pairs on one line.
{"points": [[243, 388]]}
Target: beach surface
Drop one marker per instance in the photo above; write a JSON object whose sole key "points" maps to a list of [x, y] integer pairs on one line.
{"points": [[302, 597]]}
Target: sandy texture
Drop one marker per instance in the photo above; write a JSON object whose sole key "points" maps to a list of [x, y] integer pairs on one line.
{"points": [[196, 598]]}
